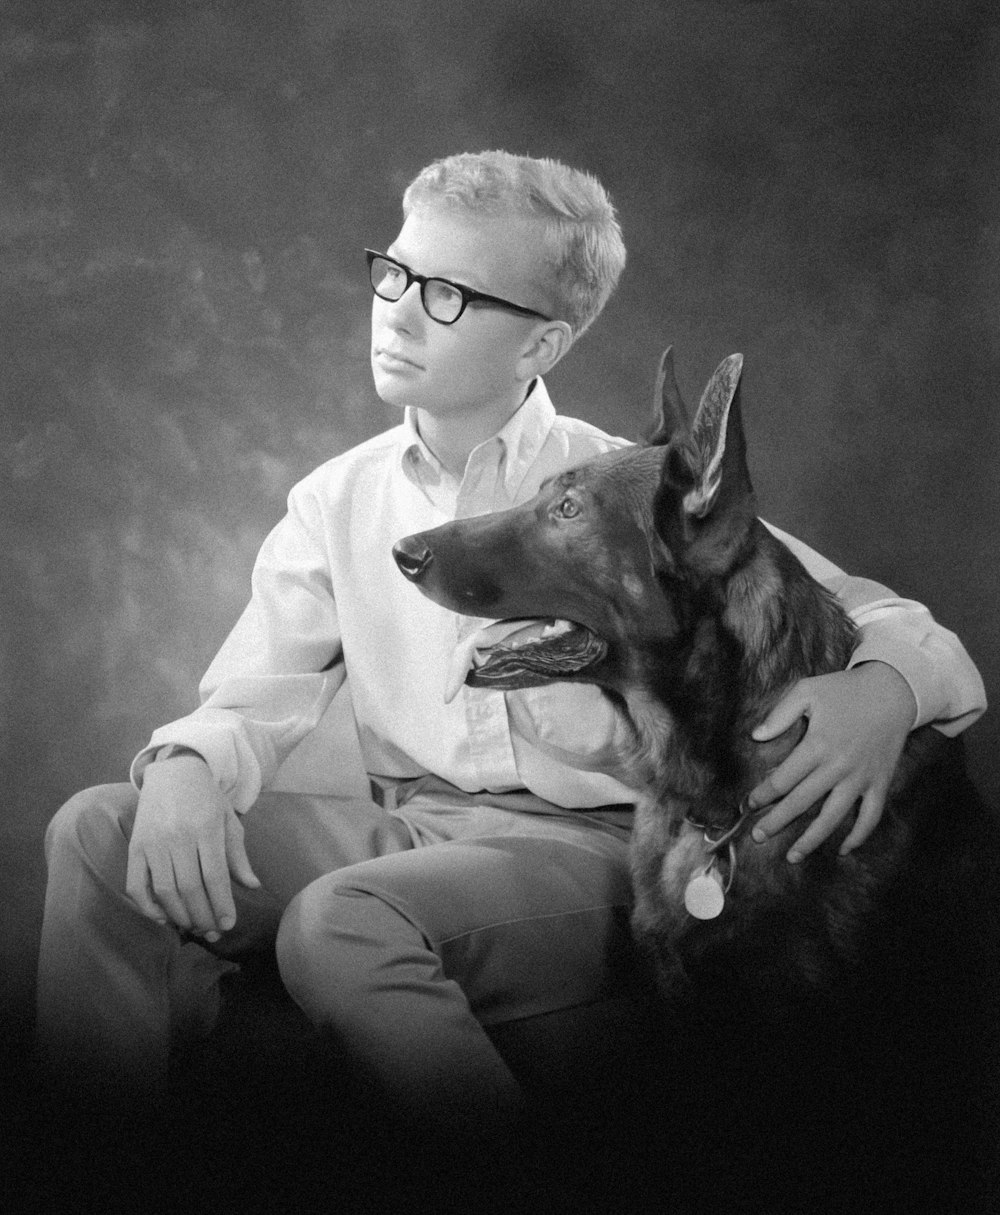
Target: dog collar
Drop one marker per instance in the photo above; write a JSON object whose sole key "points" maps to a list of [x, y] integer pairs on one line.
{"points": [[705, 893], [744, 817]]}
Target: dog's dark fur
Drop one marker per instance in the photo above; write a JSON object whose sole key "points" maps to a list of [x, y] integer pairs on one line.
{"points": [[694, 619]]}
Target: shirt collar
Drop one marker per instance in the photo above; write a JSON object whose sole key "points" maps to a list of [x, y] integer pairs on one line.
{"points": [[516, 445]]}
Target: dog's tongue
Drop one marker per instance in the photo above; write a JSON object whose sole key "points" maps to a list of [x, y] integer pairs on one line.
{"points": [[472, 650]]}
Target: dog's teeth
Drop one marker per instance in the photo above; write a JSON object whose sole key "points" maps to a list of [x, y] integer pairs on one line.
{"points": [[555, 628]]}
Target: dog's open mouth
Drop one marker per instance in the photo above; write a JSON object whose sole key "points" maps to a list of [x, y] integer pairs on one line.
{"points": [[521, 654]]}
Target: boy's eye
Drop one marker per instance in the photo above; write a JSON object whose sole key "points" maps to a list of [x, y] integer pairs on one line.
{"points": [[567, 509], [443, 294]]}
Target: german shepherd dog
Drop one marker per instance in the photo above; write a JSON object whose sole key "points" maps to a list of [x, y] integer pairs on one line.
{"points": [[647, 572]]}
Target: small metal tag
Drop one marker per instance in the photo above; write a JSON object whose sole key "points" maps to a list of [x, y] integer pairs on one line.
{"points": [[704, 897]]}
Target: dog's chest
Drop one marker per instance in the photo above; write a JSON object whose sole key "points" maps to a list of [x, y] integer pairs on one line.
{"points": [[684, 858], [667, 853]]}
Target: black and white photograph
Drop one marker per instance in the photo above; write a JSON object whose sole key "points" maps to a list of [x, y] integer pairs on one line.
{"points": [[499, 618]]}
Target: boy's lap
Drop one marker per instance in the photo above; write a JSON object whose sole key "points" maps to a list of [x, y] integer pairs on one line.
{"points": [[496, 878], [294, 838], [477, 896], [526, 923]]}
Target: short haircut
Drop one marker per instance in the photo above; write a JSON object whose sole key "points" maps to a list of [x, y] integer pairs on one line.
{"points": [[586, 253]]}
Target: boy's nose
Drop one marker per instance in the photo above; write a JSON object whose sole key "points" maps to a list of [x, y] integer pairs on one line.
{"points": [[408, 311]]}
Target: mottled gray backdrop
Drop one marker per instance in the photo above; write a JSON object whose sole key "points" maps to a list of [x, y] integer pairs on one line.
{"points": [[186, 189]]}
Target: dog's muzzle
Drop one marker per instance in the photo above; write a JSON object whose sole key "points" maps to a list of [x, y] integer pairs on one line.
{"points": [[413, 557]]}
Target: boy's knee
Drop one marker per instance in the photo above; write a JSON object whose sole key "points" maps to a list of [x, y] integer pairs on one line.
{"points": [[331, 940], [309, 940], [90, 820]]}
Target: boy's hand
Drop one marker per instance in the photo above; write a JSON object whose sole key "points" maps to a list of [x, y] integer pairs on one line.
{"points": [[185, 843], [858, 724]]}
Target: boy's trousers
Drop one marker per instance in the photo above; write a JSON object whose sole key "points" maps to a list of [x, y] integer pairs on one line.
{"points": [[401, 933]]}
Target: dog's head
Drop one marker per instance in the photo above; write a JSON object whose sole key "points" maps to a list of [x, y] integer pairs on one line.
{"points": [[610, 560]]}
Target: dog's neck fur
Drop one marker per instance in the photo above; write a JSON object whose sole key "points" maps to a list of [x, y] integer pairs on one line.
{"points": [[693, 722]]}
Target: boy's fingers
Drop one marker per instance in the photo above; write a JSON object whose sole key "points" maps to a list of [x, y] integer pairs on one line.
{"points": [[218, 889], [836, 806], [783, 715], [236, 854], [180, 890], [804, 793], [789, 774], [869, 814], [166, 895], [139, 890], [764, 794], [193, 889]]}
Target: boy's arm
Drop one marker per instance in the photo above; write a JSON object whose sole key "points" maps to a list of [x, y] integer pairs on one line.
{"points": [[906, 671], [268, 686], [275, 674], [947, 688]]}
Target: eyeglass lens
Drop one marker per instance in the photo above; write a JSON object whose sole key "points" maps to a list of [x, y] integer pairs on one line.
{"points": [[440, 299]]}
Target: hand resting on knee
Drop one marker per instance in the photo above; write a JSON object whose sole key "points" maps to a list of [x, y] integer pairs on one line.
{"points": [[186, 846]]}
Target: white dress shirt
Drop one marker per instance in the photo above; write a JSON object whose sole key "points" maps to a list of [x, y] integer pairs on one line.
{"points": [[328, 603]]}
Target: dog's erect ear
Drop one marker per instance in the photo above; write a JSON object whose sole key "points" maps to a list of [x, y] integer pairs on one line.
{"points": [[718, 414], [670, 416], [705, 500]]}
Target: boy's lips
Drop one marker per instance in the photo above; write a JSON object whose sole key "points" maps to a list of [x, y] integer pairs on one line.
{"points": [[391, 359]]}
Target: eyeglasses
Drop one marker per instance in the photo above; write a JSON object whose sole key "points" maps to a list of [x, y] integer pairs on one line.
{"points": [[443, 301]]}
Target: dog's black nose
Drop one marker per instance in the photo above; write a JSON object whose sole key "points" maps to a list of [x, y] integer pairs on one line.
{"points": [[412, 556]]}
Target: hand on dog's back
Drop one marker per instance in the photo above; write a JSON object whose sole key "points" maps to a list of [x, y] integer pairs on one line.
{"points": [[186, 846]]}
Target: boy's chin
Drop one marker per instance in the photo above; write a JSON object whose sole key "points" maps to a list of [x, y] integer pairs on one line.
{"points": [[393, 400], [392, 393]]}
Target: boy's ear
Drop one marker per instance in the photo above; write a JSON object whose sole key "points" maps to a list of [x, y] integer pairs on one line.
{"points": [[547, 346]]}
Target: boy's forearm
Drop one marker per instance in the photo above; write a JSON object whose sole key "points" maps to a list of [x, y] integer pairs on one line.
{"points": [[945, 683], [247, 728], [275, 674], [902, 633]]}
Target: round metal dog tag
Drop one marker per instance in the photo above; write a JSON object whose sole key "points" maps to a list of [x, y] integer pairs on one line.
{"points": [[704, 897]]}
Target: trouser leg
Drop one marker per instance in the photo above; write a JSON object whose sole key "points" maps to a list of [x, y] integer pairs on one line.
{"points": [[112, 984], [404, 959], [116, 990]]}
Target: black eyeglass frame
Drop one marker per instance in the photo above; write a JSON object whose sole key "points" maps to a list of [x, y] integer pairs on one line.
{"points": [[468, 295]]}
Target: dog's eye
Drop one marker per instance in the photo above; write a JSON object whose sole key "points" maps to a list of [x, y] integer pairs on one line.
{"points": [[567, 509]]}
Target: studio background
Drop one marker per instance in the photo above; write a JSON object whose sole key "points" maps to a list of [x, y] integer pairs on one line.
{"points": [[185, 311]]}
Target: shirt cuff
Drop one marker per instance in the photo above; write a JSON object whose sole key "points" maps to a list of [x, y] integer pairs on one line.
{"points": [[240, 783], [141, 762], [151, 755], [923, 654]]}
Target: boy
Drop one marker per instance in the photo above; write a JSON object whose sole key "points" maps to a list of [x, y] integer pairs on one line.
{"points": [[492, 882]]}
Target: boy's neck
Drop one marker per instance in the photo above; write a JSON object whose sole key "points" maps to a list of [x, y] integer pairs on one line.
{"points": [[453, 437]]}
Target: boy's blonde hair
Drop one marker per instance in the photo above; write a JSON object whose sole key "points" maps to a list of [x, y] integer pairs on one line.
{"points": [[586, 253]]}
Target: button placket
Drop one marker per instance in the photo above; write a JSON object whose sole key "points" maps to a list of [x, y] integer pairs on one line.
{"points": [[490, 747]]}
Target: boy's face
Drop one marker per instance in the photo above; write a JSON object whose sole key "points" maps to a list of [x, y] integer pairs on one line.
{"points": [[476, 363]]}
